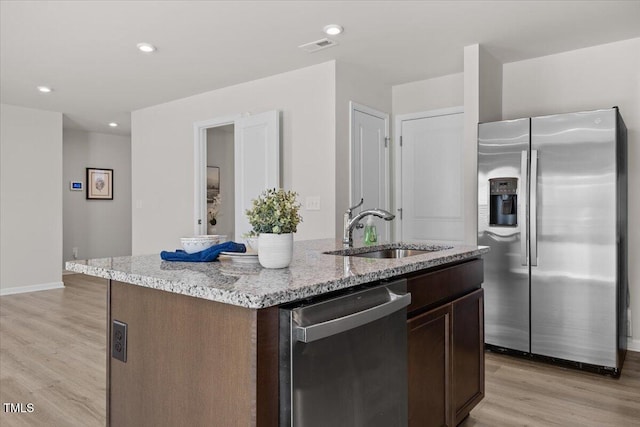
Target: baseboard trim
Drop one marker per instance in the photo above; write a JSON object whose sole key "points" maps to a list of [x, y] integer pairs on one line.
{"points": [[32, 288], [633, 345]]}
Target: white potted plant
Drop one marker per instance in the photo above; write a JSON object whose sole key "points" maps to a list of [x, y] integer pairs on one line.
{"points": [[274, 217]]}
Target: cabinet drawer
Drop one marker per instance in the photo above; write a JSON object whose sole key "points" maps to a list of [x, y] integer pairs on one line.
{"points": [[441, 286]]}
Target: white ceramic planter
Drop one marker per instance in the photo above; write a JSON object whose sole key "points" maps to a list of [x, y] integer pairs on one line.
{"points": [[275, 250]]}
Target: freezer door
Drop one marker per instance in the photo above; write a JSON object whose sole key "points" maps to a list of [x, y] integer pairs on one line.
{"points": [[573, 285], [503, 150]]}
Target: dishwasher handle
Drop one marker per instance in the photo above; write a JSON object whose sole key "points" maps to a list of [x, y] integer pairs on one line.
{"points": [[321, 330]]}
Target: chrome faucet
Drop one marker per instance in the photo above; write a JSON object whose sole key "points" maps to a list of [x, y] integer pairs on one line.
{"points": [[351, 223]]}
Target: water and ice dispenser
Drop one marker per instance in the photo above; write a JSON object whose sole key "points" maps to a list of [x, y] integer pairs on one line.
{"points": [[503, 202]]}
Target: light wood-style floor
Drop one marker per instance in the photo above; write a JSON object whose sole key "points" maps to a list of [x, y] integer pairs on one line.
{"points": [[520, 392], [52, 354]]}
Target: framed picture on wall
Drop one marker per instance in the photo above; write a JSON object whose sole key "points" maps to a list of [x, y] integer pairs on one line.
{"points": [[213, 182], [99, 184]]}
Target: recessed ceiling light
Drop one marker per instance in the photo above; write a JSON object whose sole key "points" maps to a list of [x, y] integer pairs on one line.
{"points": [[113, 124], [333, 29], [146, 47], [45, 89]]}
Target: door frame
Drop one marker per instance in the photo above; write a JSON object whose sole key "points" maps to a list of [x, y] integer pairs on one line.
{"points": [[397, 154], [353, 107], [200, 167]]}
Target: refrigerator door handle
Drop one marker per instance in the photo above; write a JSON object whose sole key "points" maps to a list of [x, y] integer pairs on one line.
{"points": [[533, 216], [522, 209]]}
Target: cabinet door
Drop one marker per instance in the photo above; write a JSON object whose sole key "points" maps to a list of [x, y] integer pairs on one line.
{"points": [[429, 337], [467, 351]]}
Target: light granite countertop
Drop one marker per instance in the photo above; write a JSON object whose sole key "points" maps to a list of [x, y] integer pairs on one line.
{"points": [[311, 273]]}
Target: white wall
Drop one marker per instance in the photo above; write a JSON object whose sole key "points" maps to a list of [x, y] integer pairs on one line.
{"points": [[591, 78], [31, 199], [358, 85], [430, 94], [98, 228], [163, 152], [220, 142], [490, 89]]}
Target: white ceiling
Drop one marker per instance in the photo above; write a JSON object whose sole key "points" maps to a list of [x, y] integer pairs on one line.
{"points": [[86, 50]]}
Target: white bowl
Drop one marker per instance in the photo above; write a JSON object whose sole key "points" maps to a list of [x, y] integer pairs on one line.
{"points": [[252, 244], [200, 243]]}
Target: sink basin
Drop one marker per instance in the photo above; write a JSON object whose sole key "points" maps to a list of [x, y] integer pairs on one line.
{"points": [[389, 251]]}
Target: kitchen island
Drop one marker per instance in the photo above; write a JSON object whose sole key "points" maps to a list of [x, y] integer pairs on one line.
{"points": [[202, 338]]}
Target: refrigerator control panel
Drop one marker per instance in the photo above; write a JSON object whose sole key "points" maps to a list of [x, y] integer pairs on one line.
{"points": [[503, 186]]}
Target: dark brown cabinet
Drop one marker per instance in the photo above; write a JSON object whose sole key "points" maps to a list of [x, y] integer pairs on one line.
{"points": [[446, 344], [429, 368], [467, 353]]}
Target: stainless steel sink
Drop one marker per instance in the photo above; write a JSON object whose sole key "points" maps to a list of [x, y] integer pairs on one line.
{"points": [[391, 253], [388, 252]]}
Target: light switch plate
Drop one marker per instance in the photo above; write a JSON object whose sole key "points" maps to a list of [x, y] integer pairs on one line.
{"points": [[312, 203]]}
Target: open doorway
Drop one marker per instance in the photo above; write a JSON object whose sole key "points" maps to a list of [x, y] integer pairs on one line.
{"points": [[241, 154], [220, 181]]}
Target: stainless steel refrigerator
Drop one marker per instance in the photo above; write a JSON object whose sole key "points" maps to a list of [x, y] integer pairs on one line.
{"points": [[552, 205]]}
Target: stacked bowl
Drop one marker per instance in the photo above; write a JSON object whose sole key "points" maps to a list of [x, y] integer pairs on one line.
{"points": [[195, 244]]}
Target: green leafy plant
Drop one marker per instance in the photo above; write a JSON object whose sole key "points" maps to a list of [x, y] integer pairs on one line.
{"points": [[275, 211]]}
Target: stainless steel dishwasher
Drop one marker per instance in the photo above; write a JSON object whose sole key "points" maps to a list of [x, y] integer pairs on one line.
{"points": [[343, 360]]}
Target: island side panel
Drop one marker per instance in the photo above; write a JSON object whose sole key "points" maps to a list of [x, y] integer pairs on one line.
{"points": [[108, 353], [189, 361], [267, 367]]}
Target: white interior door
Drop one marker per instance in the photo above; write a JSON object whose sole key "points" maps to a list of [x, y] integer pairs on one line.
{"points": [[431, 181], [370, 165], [257, 162]]}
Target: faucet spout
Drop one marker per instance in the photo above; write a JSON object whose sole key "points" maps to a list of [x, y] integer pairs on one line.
{"points": [[351, 223], [380, 213]]}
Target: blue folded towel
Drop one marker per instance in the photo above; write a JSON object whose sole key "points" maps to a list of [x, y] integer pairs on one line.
{"points": [[207, 255]]}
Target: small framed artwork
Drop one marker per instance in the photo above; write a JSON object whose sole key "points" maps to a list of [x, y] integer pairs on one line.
{"points": [[213, 183], [99, 184]]}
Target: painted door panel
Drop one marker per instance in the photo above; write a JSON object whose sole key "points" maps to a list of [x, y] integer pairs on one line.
{"points": [[370, 167], [257, 162], [432, 196]]}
